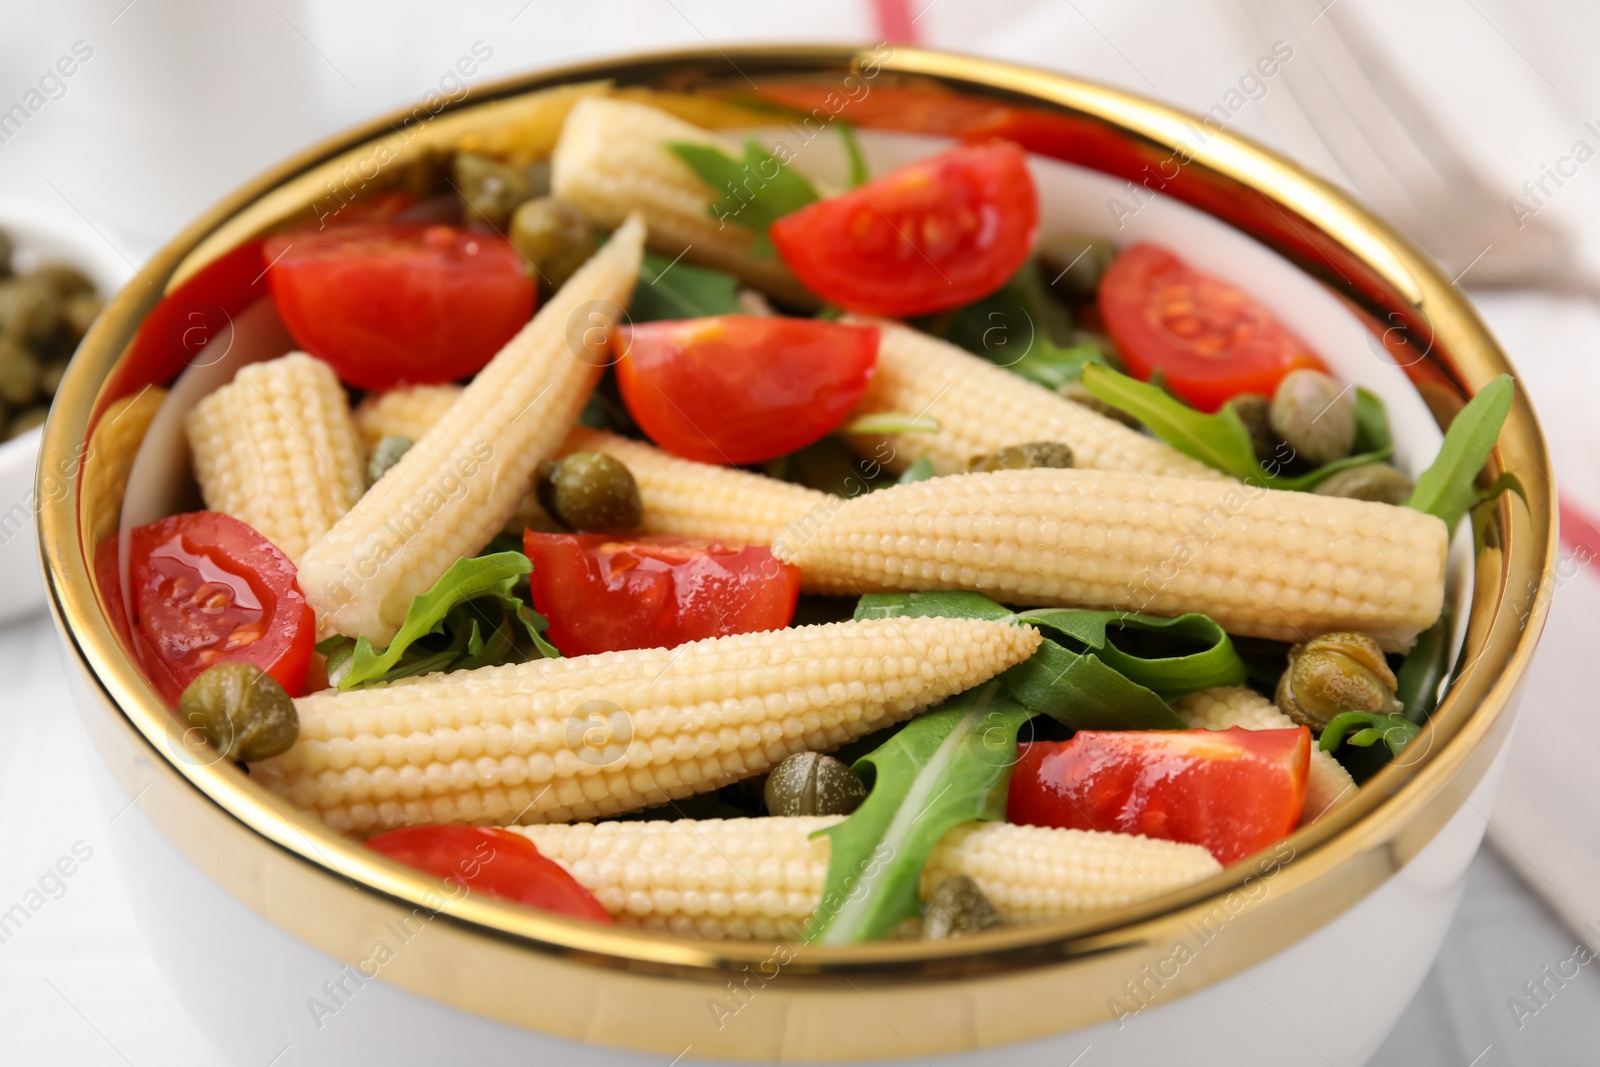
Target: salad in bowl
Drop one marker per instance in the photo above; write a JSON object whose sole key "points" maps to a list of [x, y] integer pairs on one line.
{"points": [[675, 532]]}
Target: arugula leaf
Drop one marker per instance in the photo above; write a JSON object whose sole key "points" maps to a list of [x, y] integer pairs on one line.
{"points": [[672, 290], [890, 422], [1372, 423], [473, 592], [1214, 663], [1446, 488], [946, 767], [1396, 731], [1019, 316], [852, 151], [1220, 441], [1082, 692], [753, 192], [1423, 669], [920, 471]]}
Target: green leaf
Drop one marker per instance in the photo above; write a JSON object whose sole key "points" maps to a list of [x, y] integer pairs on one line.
{"points": [[852, 151], [891, 422], [673, 290], [946, 767], [1372, 423], [1446, 488], [1166, 663], [1053, 366], [920, 471], [753, 192], [1220, 441], [940, 604], [1424, 667], [1016, 328], [1396, 731], [473, 591]]}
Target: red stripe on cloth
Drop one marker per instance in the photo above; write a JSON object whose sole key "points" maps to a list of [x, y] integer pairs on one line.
{"points": [[1579, 531], [895, 21]]}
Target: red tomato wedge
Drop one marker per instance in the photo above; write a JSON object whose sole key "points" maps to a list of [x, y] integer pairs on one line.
{"points": [[1209, 339], [493, 861], [602, 594], [738, 389], [1233, 791], [390, 304], [932, 235], [209, 589]]}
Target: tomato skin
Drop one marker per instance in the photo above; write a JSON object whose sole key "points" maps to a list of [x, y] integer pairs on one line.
{"points": [[605, 594], [203, 578], [493, 861], [929, 236], [1210, 340], [737, 389], [389, 304], [1234, 791]]}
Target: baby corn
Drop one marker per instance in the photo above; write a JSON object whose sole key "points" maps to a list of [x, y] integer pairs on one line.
{"points": [[1261, 562], [1329, 785], [763, 878], [275, 448], [456, 488], [982, 408], [613, 159], [680, 497], [560, 739]]}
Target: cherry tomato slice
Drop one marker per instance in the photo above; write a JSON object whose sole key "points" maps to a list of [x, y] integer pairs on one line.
{"points": [[1233, 791], [932, 235], [1210, 340], [390, 304], [736, 389], [209, 589], [602, 594], [493, 861]]}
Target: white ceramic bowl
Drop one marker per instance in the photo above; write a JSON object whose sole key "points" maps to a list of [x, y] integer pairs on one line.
{"points": [[270, 926], [42, 234]]}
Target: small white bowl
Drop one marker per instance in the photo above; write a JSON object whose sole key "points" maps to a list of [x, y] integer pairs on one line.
{"points": [[42, 234]]}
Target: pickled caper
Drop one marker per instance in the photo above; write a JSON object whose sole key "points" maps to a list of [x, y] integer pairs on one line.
{"points": [[1073, 265], [23, 421], [7, 249], [385, 454], [1335, 673], [1370, 481], [78, 313], [490, 190], [1024, 457], [242, 711], [50, 376], [1079, 394], [1254, 410], [590, 491], [1315, 415], [63, 278], [553, 236], [958, 908], [809, 783], [29, 309], [19, 374]]}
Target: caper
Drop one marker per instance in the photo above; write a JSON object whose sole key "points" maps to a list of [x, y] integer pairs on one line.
{"points": [[490, 190], [1024, 457], [23, 421], [1315, 415], [1335, 673], [7, 248], [590, 491], [1381, 482], [1073, 265], [1079, 394], [78, 313], [29, 309], [385, 454], [553, 236], [19, 374], [63, 278], [50, 376], [1254, 410], [809, 783], [242, 711], [958, 908]]}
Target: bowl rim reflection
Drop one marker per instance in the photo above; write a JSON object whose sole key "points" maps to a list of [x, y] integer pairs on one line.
{"points": [[1331, 865]]}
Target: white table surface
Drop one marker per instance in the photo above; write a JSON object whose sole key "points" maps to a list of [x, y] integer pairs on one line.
{"points": [[183, 100]]}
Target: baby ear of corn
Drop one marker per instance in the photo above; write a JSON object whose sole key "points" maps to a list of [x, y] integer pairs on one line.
{"points": [[613, 159], [410, 411], [1261, 562], [982, 408], [558, 739], [1329, 785], [457, 487], [275, 448], [763, 878]]}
